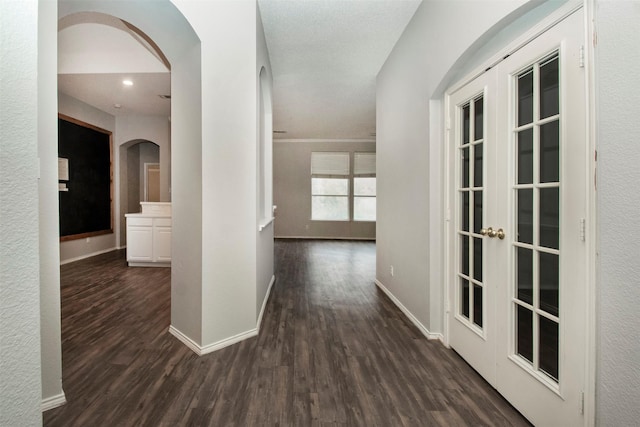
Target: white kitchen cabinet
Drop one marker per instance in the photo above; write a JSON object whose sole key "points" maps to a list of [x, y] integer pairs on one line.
{"points": [[149, 239]]}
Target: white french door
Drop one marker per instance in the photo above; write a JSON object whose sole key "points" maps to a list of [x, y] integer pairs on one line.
{"points": [[518, 193]]}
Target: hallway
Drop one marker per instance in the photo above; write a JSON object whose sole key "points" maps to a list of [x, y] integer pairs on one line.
{"points": [[332, 350]]}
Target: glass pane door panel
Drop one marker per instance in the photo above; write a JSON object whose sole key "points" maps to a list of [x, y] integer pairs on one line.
{"points": [[550, 217], [524, 332], [525, 216], [549, 282], [525, 97], [477, 165], [549, 79], [464, 297], [477, 305], [524, 267], [466, 120], [470, 211], [537, 208], [464, 210], [525, 156], [478, 127], [465, 167], [477, 211], [477, 259], [550, 152], [464, 255], [548, 346]]}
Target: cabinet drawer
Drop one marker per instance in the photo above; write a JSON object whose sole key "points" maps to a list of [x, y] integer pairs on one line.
{"points": [[162, 222], [133, 221]]}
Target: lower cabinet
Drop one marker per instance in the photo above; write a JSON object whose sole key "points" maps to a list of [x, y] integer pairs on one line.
{"points": [[148, 241]]}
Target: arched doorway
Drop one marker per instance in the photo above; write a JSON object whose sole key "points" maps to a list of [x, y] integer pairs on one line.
{"points": [[163, 23]]}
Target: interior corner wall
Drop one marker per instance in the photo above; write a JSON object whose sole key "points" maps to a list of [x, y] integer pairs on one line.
{"points": [[20, 362], [292, 192], [81, 248], [409, 160], [264, 237], [186, 195], [50, 322], [617, 57]]}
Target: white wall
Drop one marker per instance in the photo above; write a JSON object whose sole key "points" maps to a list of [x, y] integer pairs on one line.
{"points": [[20, 363], [264, 237], [229, 104], [409, 155], [81, 248], [618, 132]]}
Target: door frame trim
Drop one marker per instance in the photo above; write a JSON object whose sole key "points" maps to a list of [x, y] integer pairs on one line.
{"points": [[591, 231]]}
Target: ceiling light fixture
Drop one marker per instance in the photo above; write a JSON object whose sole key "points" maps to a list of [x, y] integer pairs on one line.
{"points": [[127, 82], [117, 105]]}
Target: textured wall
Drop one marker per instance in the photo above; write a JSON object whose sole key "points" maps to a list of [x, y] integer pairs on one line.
{"points": [[20, 382], [618, 127], [410, 170]]}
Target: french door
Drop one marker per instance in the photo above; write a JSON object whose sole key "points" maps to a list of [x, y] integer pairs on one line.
{"points": [[518, 196]]}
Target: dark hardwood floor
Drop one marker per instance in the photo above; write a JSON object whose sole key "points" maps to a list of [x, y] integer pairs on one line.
{"points": [[332, 350]]}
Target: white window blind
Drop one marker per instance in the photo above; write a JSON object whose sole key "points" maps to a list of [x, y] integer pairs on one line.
{"points": [[364, 164], [326, 163]]}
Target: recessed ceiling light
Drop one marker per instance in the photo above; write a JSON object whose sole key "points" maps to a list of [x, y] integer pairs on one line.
{"points": [[127, 82]]}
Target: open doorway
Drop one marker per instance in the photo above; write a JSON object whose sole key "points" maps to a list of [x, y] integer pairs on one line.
{"points": [[152, 182]]}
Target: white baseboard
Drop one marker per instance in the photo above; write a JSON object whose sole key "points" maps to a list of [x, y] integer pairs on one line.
{"points": [[186, 340], [210, 348], [414, 320], [81, 257], [264, 303], [53, 402], [373, 239]]}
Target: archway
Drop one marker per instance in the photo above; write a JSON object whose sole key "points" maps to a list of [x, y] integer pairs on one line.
{"points": [[163, 23]]}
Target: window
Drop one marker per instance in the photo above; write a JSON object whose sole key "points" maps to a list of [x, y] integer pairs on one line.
{"points": [[335, 192], [364, 187], [330, 186]]}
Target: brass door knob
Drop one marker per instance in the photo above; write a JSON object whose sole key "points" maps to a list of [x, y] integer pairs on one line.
{"points": [[499, 233]]}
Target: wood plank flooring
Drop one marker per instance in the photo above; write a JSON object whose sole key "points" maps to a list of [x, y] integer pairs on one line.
{"points": [[333, 350]]}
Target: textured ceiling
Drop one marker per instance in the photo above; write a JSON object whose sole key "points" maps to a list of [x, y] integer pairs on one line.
{"points": [[325, 55]]}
